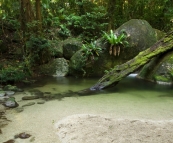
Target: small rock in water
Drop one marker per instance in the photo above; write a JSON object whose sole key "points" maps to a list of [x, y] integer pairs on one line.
{"points": [[11, 103], [22, 135], [28, 104], [19, 109], [9, 93], [32, 139], [47, 92], [10, 141], [40, 102], [30, 97], [2, 93]]}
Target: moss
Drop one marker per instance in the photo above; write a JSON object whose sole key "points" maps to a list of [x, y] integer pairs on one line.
{"points": [[162, 78]]}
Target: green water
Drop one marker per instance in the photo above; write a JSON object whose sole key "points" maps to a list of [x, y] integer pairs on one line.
{"points": [[130, 99], [132, 86]]}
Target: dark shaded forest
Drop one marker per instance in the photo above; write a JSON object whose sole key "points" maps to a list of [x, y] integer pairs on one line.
{"points": [[30, 28]]}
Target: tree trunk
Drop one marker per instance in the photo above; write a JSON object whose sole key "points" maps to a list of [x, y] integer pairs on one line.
{"points": [[111, 7], [38, 15], [26, 15], [121, 71]]}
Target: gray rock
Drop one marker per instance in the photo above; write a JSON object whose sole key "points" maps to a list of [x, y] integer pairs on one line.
{"points": [[19, 109], [141, 36], [11, 103], [159, 69], [32, 97], [28, 104], [58, 67], [2, 93], [9, 93], [12, 88], [57, 47], [40, 102], [70, 47]]}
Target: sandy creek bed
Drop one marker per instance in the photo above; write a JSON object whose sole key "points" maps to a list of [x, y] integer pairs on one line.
{"points": [[117, 117]]}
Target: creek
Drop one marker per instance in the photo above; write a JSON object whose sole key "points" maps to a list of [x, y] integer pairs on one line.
{"points": [[130, 99]]}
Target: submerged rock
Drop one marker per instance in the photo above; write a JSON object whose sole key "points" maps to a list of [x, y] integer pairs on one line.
{"points": [[22, 135], [19, 109], [10, 141], [11, 103], [40, 102], [28, 104], [32, 97]]}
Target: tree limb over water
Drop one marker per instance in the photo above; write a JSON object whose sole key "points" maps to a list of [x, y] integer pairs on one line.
{"points": [[120, 71]]}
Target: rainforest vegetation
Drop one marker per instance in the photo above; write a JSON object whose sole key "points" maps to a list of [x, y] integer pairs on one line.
{"points": [[30, 28]]}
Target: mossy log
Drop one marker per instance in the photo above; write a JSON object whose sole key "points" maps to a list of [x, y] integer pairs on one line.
{"points": [[120, 71]]}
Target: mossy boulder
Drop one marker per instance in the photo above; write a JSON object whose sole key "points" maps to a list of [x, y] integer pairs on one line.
{"points": [[70, 47], [57, 67], [77, 63], [57, 48], [140, 37], [159, 70], [164, 72]]}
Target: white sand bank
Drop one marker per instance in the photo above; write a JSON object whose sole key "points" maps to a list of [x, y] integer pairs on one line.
{"points": [[97, 129], [104, 119]]}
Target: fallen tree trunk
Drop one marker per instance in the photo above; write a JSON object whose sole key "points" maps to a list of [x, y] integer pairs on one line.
{"points": [[120, 71]]}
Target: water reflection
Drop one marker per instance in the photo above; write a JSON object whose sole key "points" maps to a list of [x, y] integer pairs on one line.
{"points": [[60, 87]]}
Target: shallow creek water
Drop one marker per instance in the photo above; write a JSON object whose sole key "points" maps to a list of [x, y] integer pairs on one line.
{"points": [[130, 99]]}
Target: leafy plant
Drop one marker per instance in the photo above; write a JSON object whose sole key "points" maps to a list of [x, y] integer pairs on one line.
{"points": [[64, 32], [12, 73], [115, 41], [38, 50], [91, 49]]}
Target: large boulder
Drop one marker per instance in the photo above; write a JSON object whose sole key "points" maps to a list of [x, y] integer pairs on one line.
{"points": [[57, 67], [141, 36], [57, 48], [70, 47], [159, 70]]}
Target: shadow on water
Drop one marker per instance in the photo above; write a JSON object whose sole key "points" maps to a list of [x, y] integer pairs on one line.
{"points": [[132, 84], [49, 88], [60, 87]]}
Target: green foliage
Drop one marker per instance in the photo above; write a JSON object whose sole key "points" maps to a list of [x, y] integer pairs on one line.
{"points": [[116, 41], [64, 33], [113, 39], [88, 25], [163, 78], [79, 18], [37, 50], [91, 49], [9, 9], [12, 73]]}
